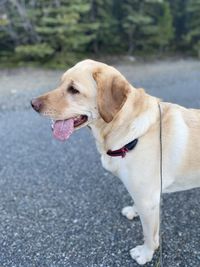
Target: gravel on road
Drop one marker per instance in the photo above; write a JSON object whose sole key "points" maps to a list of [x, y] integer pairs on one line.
{"points": [[58, 206]]}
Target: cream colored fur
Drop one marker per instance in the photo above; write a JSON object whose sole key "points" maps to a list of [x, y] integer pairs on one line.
{"points": [[137, 118]]}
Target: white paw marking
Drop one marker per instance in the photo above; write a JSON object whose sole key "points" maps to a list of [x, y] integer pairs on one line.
{"points": [[129, 212], [141, 254]]}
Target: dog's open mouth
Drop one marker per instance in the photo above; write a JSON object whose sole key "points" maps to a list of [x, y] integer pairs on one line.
{"points": [[62, 129]]}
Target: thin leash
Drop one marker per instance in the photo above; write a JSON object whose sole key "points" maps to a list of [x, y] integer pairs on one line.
{"points": [[161, 182]]}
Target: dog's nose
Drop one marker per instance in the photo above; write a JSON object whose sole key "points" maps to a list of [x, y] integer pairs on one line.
{"points": [[36, 104]]}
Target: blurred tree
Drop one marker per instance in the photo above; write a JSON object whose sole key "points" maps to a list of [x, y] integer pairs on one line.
{"points": [[163, 27], [148, 24], [19, 26], [134, 18], [106, 26], [178, 10], [60, 32], [192, 36], [60, 27]]}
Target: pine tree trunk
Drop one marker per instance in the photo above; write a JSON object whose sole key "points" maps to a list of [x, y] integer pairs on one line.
{"points": [[93, 19]]}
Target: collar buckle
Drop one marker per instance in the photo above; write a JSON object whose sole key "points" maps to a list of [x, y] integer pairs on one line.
{"points": [[124, 151]]}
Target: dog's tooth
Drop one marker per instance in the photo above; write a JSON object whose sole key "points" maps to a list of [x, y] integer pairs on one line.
{"points": [[52, 124]]}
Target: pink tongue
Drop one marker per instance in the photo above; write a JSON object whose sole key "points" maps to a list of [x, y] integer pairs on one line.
{"points": [[63, 129]]}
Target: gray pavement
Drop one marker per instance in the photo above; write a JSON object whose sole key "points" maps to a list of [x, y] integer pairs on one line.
{"points": [[58, 206]]}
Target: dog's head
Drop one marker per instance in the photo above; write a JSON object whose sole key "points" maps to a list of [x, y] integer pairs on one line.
{"points": [[88, 91]]}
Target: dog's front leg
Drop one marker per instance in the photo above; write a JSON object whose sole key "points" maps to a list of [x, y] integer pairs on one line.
{"points": [[147, 199], [149, 214]]}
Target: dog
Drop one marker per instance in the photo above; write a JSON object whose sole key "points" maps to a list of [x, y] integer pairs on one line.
{"points": [[125, 122]]}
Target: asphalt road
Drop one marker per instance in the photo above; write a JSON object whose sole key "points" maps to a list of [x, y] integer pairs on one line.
{"points": [[58, 206]]}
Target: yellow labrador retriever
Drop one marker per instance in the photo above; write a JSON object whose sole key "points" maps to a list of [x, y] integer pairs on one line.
{"points": [[125, 123]]}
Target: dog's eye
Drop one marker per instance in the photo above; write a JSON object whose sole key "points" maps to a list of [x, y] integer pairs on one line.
{"points": [[72, 90]]}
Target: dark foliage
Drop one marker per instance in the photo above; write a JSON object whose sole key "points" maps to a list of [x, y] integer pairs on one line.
{"points": [[58, 32]]}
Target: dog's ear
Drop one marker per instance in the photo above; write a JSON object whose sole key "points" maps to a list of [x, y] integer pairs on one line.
{"points": [[112, 92]]}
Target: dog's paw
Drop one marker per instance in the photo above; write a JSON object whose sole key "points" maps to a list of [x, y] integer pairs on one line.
{"points": [[129, 212], [141, 254]]}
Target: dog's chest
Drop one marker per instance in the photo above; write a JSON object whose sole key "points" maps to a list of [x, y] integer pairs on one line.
{"points": [[116, 165]]}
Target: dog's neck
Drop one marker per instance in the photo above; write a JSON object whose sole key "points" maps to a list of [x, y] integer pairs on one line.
{"points": [[138, 114]]}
